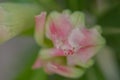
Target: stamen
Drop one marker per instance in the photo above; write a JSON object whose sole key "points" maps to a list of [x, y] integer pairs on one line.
{"points": [[68, 52]]}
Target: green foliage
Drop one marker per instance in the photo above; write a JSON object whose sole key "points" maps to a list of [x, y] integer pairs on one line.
{"points": [[28, 73], [24, 1]]}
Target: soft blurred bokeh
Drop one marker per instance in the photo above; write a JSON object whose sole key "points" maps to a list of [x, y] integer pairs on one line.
{"points": [[18, 54]]}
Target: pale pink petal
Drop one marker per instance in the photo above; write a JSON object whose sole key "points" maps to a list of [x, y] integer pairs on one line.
{"points": [[85, 37], [40, 26], [92, 37], [58, 27], [37, 64], [83, 55], [76, 37], [86, 53], [67, 71], [50, 53], [47, 70], [87, 42]]}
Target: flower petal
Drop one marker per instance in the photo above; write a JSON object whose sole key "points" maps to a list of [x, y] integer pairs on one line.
{"points": [[93, 37], [58, 27], [78, 19], [89, 42], [37, 64], [76, 37], [83, 56], [73, 60], [50, 53], [67, 71], [40, 27], [85, 37], [67, 13]]}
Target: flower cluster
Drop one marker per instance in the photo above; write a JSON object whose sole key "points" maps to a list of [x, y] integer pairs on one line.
{"points": [[67, 44]]}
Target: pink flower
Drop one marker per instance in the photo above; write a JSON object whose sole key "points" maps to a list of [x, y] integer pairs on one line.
{"points": [[73, 44]]}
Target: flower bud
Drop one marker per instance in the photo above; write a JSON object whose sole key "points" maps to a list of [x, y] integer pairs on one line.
{"points": [[16, 18]]}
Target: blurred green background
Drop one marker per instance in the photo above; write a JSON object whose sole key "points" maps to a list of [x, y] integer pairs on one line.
{"points": [[18, 54]]}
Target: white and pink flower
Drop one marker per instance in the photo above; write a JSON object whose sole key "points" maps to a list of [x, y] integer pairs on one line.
{"points": [[73, 44]]}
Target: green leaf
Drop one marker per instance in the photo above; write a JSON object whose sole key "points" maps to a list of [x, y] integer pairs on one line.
{"points": [[28, 73], [39, 75], [24, 1]]}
